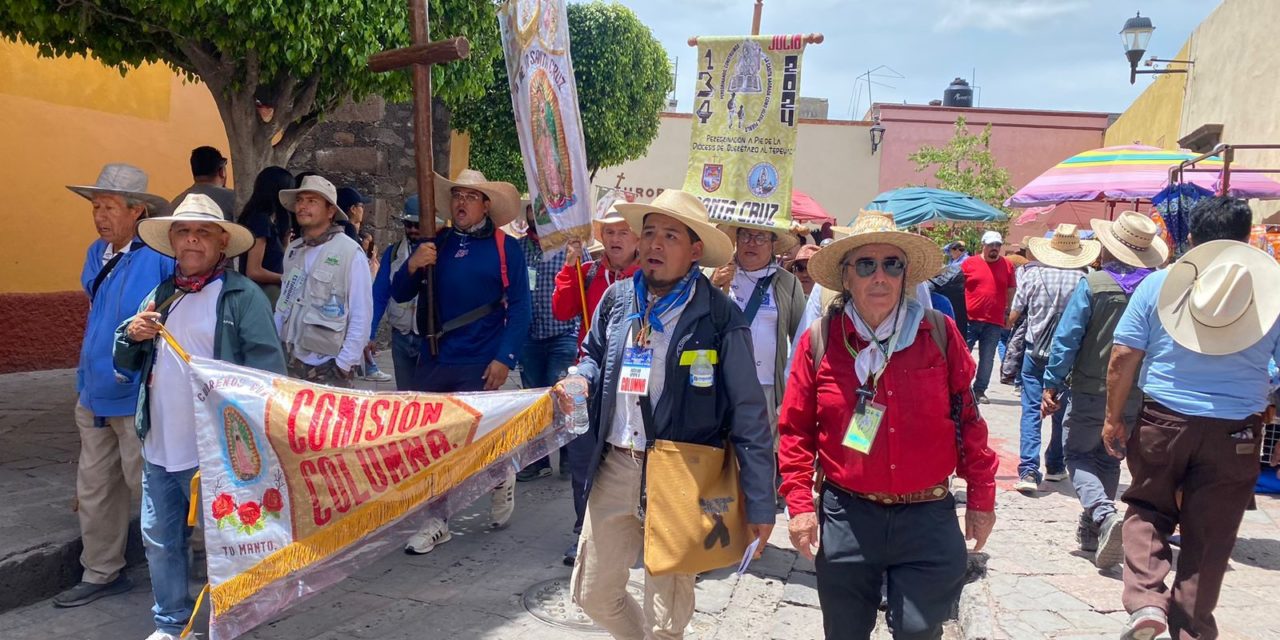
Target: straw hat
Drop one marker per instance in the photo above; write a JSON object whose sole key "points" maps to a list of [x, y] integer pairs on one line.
{"points": [[924, 257], [196, 207], [610, 217], [319, 186], [1133, 239], [1220, 297], [1065, 250], [717, 248], [784, 239], [126, 180], [504, 200]]}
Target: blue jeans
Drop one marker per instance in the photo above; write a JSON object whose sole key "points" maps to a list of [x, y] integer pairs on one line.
{"points": [[1032, 423], [1003, 346], [1094, 473], [543, 363], [405, 348], [986, 335], [166, 498]]}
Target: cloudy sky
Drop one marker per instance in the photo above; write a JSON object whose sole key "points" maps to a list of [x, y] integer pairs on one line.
{"points": [[1035, 54]]}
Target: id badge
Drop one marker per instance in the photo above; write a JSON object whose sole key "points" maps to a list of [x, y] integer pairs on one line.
{"points": [[292, 289], [533, 279], [636, 364], [863, 427]]}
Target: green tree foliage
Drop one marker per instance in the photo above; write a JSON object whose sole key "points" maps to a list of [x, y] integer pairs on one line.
{"points": [[302, 57], [623, 77], [965, 165]]}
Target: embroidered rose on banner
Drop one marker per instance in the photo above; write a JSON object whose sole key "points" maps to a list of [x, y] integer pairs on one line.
{"points": [[224, 508], [250, 514], [273, 502]]}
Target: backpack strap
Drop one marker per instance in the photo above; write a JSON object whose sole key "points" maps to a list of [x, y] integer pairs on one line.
{"points": [[500, 237], [938, 330], [818, 340], [591, 275]]}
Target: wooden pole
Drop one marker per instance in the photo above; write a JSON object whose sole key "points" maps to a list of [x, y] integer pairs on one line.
{"points": [[755, 18], [420, 31], [451, 49]]}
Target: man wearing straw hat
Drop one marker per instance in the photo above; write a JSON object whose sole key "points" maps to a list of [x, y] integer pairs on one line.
{"points": [[879, 401], [209, 311], [664, 323], [1045, 286], [326, 300], [769, 296], [1204, 331], [482, 302], [1131, 250], [119, 271]]}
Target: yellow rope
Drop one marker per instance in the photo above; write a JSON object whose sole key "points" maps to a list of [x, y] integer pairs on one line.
{"points": [[195, 500], [186, 631]]}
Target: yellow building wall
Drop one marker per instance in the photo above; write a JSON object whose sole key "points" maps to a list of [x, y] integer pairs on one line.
{"points": [[60, 121], [1155, 118]]}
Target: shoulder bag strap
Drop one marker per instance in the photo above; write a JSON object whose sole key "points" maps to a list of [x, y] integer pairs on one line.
{"points": [[757, 297]]}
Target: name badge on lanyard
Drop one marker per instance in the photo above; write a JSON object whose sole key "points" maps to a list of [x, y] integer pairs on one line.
{"points": [[637, 362], [533, 278], [863, 427]]}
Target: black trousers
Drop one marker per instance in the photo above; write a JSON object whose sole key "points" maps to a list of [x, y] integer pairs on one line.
{"points": [[919, 548]]}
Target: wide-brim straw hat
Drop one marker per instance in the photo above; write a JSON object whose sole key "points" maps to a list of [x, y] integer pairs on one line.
{"points": [[319, 186], [504, 200], [1133, 239], [120, 179], [610, 216], [717, 248], [1065, 250], [1220, 298], [924, 257], [195, 207], [784, 239]]}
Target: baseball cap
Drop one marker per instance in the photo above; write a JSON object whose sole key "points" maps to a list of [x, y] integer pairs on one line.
{"points": [[992, 237]]}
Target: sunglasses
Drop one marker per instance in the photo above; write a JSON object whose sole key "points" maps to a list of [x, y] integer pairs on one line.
{"points": [[410, 225], [893, 267], [799, 267]]}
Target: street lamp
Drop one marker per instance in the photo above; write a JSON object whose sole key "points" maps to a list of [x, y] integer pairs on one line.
{"points": [[1135, 34], [877, 136]]}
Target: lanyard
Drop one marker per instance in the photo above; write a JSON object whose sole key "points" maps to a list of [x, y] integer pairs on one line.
{"points": [[868, 389]]}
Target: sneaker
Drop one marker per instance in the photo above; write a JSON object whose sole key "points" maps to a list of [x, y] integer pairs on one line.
{"points": [[503, 503], [87, 592], [161, 635], [529, 474], [377, 376], [1110, 542], [1087, 533], [1028, 484], [1056, 476], [1145, 624], [983, 399], [431, 536], [571, 555]]}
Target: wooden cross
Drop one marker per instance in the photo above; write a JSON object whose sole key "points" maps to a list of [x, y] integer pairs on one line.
{"points": [[420, 55], [621, 177]]}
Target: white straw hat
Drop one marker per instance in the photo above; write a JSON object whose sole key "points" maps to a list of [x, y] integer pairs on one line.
{"points": [[1220, 298], [319, 186], [1132, 239], [504, 201], [196, 207], [924, 258], [1065, 250], [717, 248]]}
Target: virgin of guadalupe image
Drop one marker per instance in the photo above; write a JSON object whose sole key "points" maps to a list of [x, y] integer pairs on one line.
{"points": [[550, 151], [241, 451]]}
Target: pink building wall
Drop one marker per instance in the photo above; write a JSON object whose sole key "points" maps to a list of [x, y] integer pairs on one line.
{"points": [[1026, 143]]}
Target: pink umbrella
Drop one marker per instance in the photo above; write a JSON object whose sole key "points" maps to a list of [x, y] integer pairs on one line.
{"points": [[806, 209]]}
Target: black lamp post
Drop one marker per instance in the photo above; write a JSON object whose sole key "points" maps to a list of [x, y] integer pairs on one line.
{"points": [[877, 136], [1136, 34]]}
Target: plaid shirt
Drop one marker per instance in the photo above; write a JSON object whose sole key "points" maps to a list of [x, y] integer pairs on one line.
{"points": [[542, 279], [1042, 296]]}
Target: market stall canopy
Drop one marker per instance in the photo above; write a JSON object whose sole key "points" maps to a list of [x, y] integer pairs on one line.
{"points": [[806, 209], [1037, 222], [1132, 172], [911, 206]]}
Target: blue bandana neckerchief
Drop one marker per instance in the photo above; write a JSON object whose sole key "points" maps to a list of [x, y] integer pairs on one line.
{"points": [[679, 294]]}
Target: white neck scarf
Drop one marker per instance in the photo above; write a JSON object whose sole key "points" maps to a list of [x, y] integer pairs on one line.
{"points": [[896, 332]]}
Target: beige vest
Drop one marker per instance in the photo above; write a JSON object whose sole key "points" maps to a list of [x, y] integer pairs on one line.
{"points": [[402, 316], [315, 304]]}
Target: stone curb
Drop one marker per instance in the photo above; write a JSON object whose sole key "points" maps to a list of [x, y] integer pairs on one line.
{"points": [[975, 606], [52, 567]]}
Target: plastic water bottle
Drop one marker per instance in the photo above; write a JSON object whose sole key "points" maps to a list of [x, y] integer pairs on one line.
{"points": [[576, 385], [332, 308], [702, 374]]}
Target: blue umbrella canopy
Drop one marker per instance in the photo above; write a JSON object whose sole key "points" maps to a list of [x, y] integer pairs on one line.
{"points": [[911, 206]]}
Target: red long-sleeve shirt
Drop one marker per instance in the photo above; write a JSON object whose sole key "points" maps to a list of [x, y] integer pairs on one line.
{"points": [[915, 447], [566, 300]]}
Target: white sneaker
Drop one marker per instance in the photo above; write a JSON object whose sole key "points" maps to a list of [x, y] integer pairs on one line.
{"points": [[160, 635], [377, 376], [1056, 476], [434, 534], [503, 504]]}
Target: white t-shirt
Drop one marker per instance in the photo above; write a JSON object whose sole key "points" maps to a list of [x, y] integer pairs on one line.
{"points": [[764, 328], [110, 252], [626, 429], [171, 442]]}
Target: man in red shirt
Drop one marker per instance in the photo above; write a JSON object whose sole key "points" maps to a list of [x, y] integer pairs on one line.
{"points": [[619, 263], [988, 289], [870, 399]]}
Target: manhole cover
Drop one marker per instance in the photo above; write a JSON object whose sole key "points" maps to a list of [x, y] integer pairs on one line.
{"points": [[551, 602]]}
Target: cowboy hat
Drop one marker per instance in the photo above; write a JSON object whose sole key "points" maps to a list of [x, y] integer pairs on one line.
{"points": [[784, 240], [1132, 239], [503, 197], [1065, 250], [319, 186], [610, 217], [126, 180], [1220, 297], [717, 248], [196, 207], [924, 257]]}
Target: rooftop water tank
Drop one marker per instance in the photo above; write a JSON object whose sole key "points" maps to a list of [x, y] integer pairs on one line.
{"points": [[959, 94]]}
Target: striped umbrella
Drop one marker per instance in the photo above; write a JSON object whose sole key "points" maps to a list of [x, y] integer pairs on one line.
{"points": [[1132, 172]]}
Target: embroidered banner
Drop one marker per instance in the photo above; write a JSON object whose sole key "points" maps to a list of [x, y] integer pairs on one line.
{"points": [[744, 127], [303, 483], [544, 97]]}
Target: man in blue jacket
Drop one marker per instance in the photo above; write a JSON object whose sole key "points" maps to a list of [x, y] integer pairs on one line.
{"points": [[406, 344], [119, 272], [693, 345], [482, 305]]}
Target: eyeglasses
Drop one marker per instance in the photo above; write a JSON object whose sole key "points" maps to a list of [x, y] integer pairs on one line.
{"points": [[750, 237], [799, 267], [469, 197], [410, 225], [893, 266]]}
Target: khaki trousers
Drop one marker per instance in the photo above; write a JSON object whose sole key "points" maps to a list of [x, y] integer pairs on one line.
{"points": [[612, 538], [108, 486]]}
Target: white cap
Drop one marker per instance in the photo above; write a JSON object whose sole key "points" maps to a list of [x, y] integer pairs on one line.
{"points": [[992, 237]]}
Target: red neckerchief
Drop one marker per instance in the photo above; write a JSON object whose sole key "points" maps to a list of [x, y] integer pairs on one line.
{"points": [[192, 284]]}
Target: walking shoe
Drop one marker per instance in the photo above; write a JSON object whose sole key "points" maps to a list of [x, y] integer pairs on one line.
{"points": [[1110, 542], [87, 592], [1087, 533], [571, 555], [162, 635], [983, 399], [377, 376], [1028, 484], [1056, 476], [530, 474], [1145, 624], [503, 503], [434, 534]]}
